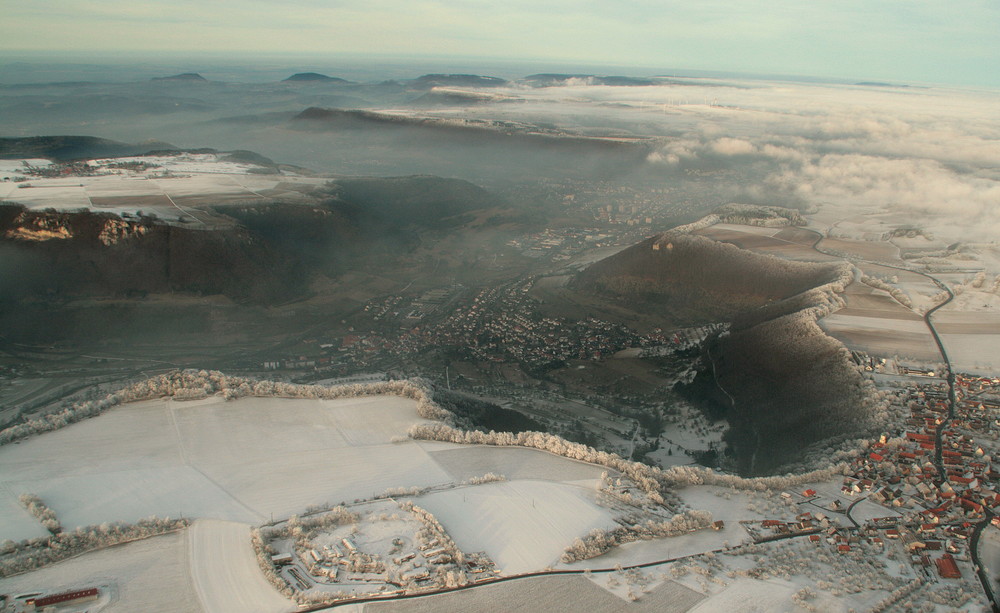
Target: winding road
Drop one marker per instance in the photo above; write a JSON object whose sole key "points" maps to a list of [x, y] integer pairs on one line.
{"points": [[952, 403]]}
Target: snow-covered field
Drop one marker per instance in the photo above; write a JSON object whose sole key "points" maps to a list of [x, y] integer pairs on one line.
{"points": [[573, 593], [238, 461], [192, 178], [989, 553], [752, 595], [149, 575], [463, 463], [224, 568], [521, 525], [883, 337], [972, 340]]}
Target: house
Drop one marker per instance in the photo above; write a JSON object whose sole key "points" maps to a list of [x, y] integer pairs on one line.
{"points": [[947, 567]]}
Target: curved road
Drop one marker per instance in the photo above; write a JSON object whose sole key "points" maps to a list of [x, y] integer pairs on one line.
{"points": [[952, 402]]}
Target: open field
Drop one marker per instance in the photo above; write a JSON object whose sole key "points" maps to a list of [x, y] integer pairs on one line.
{"points": [[226, 576], [881, 251], [196, 179], [752, 595], [521, 525], [572, 593], [17, 523], [875, 323], [972, 339], [463, 463], [989, 552], [790, 243], [883, 337], [239, 461], [149, 575]]}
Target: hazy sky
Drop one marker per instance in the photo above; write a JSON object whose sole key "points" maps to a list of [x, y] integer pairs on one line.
{"points": [[901, 40]]}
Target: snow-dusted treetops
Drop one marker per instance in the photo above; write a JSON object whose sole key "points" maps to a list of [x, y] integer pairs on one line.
{"points": [[200, 384]]}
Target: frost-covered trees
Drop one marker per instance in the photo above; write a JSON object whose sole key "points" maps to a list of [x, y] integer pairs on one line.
{"points": [[42, 513], [197, 384], [30, 554], [654, 481], [897, 294], [600, 541]]}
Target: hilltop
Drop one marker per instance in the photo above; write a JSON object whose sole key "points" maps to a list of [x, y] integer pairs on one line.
{"points": [[188, 77], [68, 148], [313, 77]]}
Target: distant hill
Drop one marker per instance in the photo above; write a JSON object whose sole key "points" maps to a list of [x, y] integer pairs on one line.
{"points": [[313, 77], [190, 77], [429, 81], [480, 131], [68, 148]]}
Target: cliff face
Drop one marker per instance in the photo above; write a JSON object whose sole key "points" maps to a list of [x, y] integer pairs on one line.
{"points": [[780, 381], [99, 254]]}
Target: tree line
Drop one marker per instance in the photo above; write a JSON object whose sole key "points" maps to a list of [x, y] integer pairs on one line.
{"points": [[30, 554]]}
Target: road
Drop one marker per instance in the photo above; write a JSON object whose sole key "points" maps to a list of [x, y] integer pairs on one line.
{"points": [[952, 403]]}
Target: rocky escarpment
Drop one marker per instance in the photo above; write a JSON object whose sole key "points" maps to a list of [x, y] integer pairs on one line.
{"points": [[787, 389], [61, 255]]}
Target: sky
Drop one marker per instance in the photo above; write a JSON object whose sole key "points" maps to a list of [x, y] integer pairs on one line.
{"points": [[915, 41]]}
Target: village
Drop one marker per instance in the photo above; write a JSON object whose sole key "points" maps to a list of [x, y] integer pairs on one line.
{"points": [[907, 499]]}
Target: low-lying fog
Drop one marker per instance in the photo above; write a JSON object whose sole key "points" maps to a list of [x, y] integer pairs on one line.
{"points": [[928, 152]]}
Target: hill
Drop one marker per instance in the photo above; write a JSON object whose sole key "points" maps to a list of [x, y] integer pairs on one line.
{"points": [[691, 274], [187, 77], [313, 77], [429, 81], [784, 386], [69, 148]]}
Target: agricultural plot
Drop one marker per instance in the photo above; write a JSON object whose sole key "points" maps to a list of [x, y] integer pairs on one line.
{"points": [[194, 179], [789, 243], [881, 251], [225, 573], [875, 323], [147, 575], [573, 593], [240, 461], [521, 525], [15, 522], [989, 552], [971, 339], [463, 463], [752, 595]]}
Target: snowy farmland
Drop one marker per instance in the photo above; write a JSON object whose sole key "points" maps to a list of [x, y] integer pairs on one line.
{"points": [[237, 461], [168, 184], [522, 525], [147, 575]]}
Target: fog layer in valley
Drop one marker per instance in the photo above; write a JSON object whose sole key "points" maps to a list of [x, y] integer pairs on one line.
{"points": [[528, 161]]}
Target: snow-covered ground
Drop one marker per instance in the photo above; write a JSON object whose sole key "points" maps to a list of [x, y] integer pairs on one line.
{"points": [[147, 575], [521, 525], [225, 573], [989, 553], [186, 178], [239, 461], [464, 463]]}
